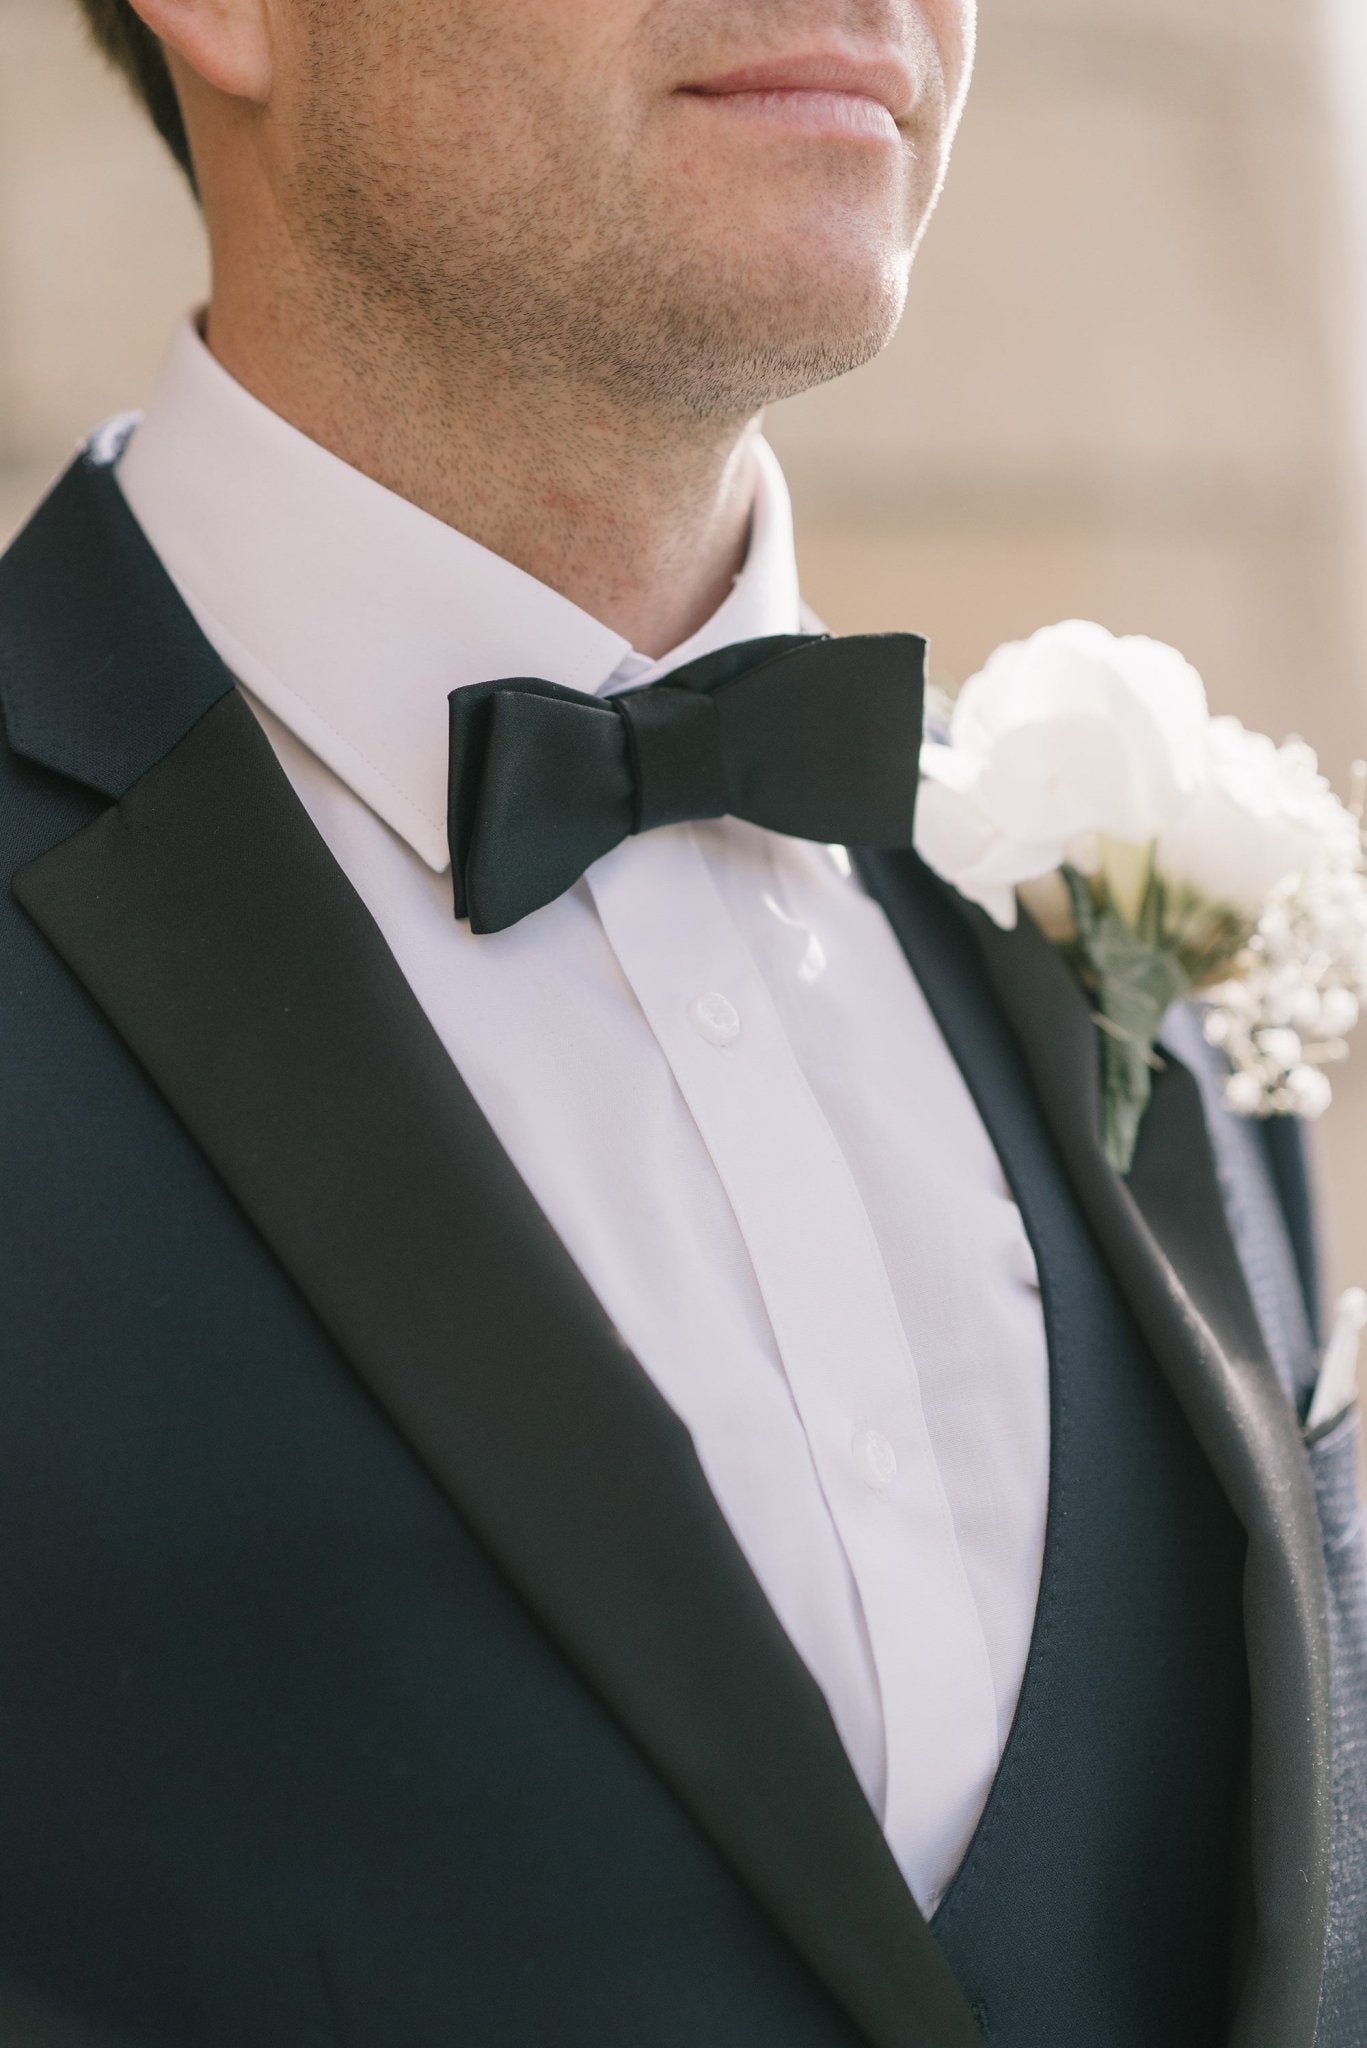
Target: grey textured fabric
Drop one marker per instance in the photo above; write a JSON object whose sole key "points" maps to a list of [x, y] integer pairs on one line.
{"points": [[1335, 1458], [1255, 1212]]}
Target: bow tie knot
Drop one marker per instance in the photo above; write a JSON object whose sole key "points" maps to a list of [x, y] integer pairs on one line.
{"points": [[674, 740], [807, 735]]}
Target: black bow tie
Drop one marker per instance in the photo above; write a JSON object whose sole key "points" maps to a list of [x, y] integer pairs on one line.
{"points": [[808, 735]]}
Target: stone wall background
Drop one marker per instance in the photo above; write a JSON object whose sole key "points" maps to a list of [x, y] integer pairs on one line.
{"points": [[1124, 389]]}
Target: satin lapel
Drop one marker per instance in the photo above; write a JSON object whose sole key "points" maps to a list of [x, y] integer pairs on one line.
{"points": [[1165, 1236], [207, 919]]}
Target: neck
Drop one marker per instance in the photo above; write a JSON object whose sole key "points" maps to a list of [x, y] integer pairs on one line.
{"points": [[641, 523]]}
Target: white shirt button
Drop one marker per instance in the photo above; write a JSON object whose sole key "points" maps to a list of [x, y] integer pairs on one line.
{"points": [[875, 1459], [715, 1018]]}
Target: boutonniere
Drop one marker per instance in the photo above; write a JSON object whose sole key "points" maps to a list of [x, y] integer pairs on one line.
{"points": [[1166, 853]]}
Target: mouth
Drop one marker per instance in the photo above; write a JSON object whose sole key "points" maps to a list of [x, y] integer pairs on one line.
{"points": [[820, 92]]}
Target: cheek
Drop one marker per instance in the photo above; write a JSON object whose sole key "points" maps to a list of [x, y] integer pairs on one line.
{"points": [[523, 77], [953, 26]]}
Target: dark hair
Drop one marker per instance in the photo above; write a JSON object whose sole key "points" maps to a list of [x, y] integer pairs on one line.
{"points": [[128, 42]]}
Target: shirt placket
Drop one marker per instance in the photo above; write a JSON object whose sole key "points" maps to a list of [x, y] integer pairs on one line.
{"points": [[837, 1333]]}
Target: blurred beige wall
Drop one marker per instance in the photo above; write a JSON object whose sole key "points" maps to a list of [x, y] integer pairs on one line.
{"points": [[1346, 27], [1121, 390]]}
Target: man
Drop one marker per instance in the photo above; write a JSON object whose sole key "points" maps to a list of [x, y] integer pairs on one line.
{"points": [[592, 1452]]}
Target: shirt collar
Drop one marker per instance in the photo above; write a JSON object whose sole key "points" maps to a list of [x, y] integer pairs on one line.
{"points": [[351, 614]]}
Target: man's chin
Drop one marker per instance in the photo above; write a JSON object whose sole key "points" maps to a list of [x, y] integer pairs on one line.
{"points": [[735, 377], [818, 319], [843, 268]]}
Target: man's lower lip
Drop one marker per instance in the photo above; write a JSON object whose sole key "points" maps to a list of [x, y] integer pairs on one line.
{"points": [[842, 114]]}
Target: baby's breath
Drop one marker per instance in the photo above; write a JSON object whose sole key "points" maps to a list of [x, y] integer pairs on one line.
{"points": [[1286, 1015]]}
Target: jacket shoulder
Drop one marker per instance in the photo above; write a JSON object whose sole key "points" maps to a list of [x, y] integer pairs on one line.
{"points": [[102, 666]]}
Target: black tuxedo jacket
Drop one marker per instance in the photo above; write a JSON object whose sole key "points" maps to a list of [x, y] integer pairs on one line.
{"points": [[295, 1372]]}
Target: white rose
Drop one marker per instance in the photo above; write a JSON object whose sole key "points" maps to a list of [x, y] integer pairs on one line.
{"points": [[1264, 815], [1075, 731], [1059, 739]]}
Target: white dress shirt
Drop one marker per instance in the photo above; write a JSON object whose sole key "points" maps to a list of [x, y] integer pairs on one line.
{"points": [[711, 1065]]}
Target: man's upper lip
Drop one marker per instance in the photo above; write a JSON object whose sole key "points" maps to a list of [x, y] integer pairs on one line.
{"points": [[882, 76]]}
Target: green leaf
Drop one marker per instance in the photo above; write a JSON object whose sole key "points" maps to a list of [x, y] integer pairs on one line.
{"points": [[1134, 983]]}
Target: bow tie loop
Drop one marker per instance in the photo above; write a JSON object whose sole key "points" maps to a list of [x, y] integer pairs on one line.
{"points": [[807, 735]]}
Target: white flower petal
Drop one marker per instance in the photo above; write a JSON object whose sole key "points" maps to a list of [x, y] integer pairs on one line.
{"points": [[1265, 815], [1074, 731], [956, 838]]}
